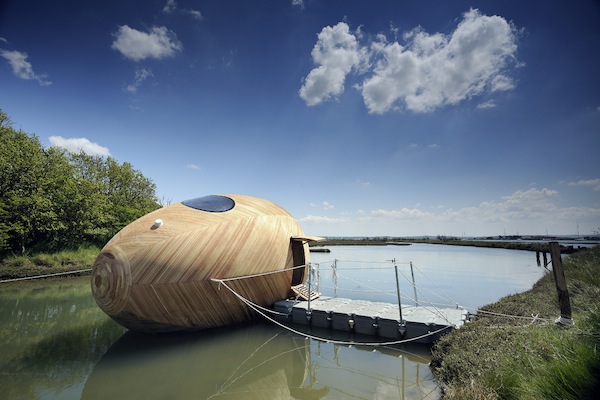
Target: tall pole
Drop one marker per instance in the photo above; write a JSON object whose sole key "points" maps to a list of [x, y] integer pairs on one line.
{"points": [[398, 291], [309, 288], [414, 284], [561, 286], [335, 278]]}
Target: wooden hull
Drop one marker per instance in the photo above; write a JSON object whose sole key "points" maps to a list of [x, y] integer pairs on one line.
{"points": [[153, 278]]}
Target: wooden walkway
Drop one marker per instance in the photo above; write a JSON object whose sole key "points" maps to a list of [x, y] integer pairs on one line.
{"points": [[419, 323]]}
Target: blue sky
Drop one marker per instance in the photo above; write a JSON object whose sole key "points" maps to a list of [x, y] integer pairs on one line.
{"points": [[360, 118]]}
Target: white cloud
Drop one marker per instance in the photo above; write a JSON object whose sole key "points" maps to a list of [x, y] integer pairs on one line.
{"points": [[321, 220], [3, 40], [426, 72], [337, 53], [593, 183], [141, 75], [193, 167], [76, 145], [197, 15], [136, 45], [403, 213], [532, 211], [523, 204], [170, 6], [23, 68], [487, 104], [501, 83], [324, 205], [433, 70], [519, 207], [327, 206], [299, 3]]}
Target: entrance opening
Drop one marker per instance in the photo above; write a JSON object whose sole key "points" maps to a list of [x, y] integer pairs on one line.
{"points": [[299, 256], [299, 259]]}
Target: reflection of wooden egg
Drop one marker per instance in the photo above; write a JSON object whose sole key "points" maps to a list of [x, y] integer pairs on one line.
{"points": [[155, 274]]}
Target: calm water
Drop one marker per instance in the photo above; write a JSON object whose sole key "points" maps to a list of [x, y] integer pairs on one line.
{"points": [[57, 344], [469, 276]]}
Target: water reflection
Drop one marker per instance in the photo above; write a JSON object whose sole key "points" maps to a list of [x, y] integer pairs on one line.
{"points": [[52, 335], [255, 361], [57, 344], [366, 372]]}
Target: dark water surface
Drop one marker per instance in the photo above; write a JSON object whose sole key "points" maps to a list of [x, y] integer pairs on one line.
{"points": [[55, 343]]}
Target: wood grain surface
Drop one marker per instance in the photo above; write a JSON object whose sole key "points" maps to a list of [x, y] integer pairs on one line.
{"points": [[157, 279]]}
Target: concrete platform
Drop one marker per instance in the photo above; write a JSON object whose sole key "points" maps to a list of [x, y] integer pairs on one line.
{"points": [[373, 318]]}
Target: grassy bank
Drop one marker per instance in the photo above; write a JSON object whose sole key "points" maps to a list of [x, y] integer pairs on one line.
{"points": [[502, 357], [13, 267]]}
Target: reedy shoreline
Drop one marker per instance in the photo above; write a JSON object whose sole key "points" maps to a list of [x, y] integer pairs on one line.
{"points": [[519, 352]]}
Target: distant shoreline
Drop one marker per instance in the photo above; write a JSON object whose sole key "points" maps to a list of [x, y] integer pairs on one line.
{"points": [[542, 246], [13, 267]]}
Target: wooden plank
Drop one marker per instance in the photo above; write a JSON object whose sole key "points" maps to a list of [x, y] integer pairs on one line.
{"points": [[302, 292]]}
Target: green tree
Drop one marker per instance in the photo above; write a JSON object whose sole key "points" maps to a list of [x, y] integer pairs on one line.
{"points": [[130, 193], [24, 206], [83, 210], [51, 199], [119, 193]]}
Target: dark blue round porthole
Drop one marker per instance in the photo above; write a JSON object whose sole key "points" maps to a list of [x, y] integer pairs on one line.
{"points": [[212, 203]]}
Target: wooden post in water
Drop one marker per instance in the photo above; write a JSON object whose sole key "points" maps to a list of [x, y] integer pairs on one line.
{"points": [[561, 286]]}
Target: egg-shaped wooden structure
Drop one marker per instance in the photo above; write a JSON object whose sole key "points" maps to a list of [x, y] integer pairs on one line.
{"points": [[156, 274]]}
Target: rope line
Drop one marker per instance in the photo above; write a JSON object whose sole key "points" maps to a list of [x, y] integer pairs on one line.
{"points": [[222, 391], [373, 289], [387, 293], [336, 268], [390, 293], [260, 274], [45, 276], [433, 283], [404, 296], [436, 310], [358, 262], [495, 314], [230, 381], [341, 342], [221, 281]]}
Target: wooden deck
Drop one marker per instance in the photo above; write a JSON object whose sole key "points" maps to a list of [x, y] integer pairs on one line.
{"points": [[423, 324]]}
